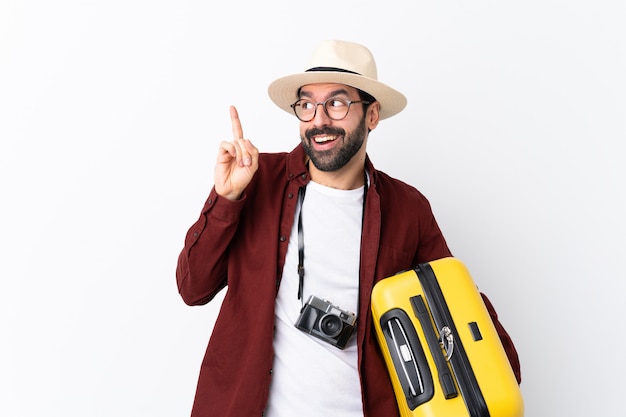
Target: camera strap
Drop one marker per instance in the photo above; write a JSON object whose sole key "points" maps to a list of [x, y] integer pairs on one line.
{"points": [[301, 193]]}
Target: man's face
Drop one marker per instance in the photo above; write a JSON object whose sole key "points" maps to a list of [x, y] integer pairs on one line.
{"points": [[331, 144]]}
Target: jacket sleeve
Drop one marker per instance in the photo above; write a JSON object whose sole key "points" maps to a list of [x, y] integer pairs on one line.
{"points": [[506, 340], [434, 247], [202, 269]]}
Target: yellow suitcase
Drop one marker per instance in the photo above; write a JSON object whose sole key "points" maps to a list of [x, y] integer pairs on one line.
{"points": [[441, 348]]}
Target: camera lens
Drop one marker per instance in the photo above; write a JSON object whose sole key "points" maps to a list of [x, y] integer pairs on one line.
{"points": [[331, 325]]}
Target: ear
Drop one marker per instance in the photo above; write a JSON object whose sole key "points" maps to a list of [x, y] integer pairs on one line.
{"points": [[373, 115]]}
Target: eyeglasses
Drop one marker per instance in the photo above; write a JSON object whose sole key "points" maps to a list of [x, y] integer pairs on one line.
{"points": [[335, 108]]}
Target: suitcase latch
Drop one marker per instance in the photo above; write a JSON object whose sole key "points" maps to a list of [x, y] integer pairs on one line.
{"points": [[447, 341]]}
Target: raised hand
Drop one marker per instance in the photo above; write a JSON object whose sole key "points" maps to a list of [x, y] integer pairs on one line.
{"points": [[237, 161]]}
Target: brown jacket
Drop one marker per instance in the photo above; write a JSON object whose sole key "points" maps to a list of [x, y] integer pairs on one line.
{"points": [[242, 245]]}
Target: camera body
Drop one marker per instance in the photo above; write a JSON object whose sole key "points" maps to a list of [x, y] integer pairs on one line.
{"points": [[322, 319]]}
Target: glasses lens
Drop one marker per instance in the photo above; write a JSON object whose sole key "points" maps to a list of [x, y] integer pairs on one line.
{"points": [[336, 108], [304, 109]]}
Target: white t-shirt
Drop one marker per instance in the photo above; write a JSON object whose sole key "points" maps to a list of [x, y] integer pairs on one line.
{"points": [[311, 377]]}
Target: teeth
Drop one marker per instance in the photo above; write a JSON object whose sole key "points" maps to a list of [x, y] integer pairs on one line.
{"points": [[322, 139]]}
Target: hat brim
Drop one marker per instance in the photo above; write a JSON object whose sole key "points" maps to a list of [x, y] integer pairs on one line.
{"points": [[283, 91]]}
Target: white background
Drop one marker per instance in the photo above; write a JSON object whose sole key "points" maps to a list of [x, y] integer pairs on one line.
{"points": [[110, 115]]}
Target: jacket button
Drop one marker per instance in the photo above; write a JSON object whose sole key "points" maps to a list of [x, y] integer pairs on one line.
{"points": [[283, 238], [290, 195]]}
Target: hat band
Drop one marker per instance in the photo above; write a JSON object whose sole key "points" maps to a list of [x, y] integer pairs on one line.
{"points": [[330, 69]]}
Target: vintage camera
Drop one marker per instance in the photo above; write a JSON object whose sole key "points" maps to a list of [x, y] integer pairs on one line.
{"points": [[328, 322]]}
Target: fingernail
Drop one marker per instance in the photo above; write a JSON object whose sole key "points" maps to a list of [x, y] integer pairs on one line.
{"points": [[247, 161]]}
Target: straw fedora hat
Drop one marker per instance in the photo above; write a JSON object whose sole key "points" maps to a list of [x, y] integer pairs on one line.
{"points": [[339, 62]]}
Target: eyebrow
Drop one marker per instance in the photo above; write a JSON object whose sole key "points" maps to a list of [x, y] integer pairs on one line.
{"points": [[332, 93]]}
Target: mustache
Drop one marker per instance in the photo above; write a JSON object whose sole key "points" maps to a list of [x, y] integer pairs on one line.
{"points": [[315, 131]]}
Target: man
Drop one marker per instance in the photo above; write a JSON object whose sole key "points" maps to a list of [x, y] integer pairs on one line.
{"points": [[319, 221]]}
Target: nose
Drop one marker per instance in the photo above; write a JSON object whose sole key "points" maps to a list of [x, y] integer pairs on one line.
{"points": [[320, 118]]}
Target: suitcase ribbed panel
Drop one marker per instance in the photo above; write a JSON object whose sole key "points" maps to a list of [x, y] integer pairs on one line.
{"points": [[446, 378], [470, 391]]}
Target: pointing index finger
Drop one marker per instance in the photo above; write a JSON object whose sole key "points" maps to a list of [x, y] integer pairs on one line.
{"points": [[236, 123]]}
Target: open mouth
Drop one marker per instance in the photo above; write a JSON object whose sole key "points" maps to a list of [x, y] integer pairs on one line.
{"points": [[324, 139]]}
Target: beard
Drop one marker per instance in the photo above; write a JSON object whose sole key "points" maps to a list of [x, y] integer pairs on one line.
{"points": [[337, 157]]}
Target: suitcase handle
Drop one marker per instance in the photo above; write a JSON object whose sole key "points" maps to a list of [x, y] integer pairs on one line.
{"points": [[408, 357], [403, 351]]}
